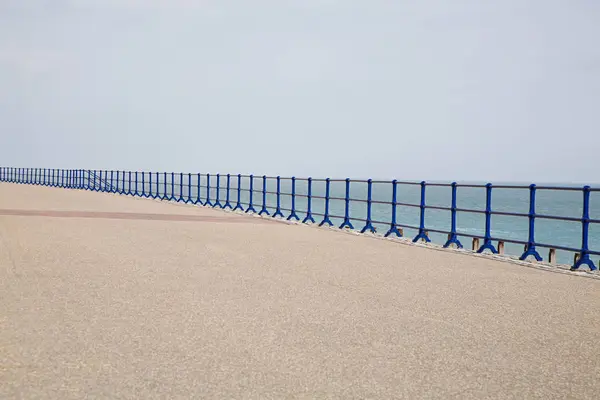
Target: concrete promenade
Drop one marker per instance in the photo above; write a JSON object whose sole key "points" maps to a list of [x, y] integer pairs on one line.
{"points": [[109, 297]]}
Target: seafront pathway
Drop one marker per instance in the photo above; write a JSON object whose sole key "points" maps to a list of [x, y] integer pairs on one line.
{"points": [[107, 296]]}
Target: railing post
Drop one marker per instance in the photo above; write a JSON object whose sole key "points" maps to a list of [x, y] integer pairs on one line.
{"points": [[264, 197], [452, 237], [180, 198], [369, 224], [207, 202], [198, 198], [118, 181], [326, 219], [172, 197], [238, 206], [102, 184], [189, 199], [293, 211], [393, 224], [278, 212], [143, 194], [530, 248], [218, 194], [347, 223], [251, 207], [164, 196], [157, 193], [584, 255], [150, 195], [129, 192], [227, 203], [136, 193], [487, 239], [422, 235], [309, 216]]}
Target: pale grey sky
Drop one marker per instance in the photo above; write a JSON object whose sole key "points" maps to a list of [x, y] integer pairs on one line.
{"points": [[435, 89]]}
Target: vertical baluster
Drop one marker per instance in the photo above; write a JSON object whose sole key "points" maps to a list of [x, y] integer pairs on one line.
{"points": [[369, 223], [129, 191], [189, 199], [453, 237], [143, 194], [309, 217], [251, 207], [198, 185], [218, 194], [487, 240], [180, 198], [150, 195], [530, 249], [264, 210], [326, 219], [394, 224], [172, 196], [208, 202], [584, 255], [227, 203], [278, 212], [293, 214], [347, 223], [238, 206], [157, 193], [422, 235]]}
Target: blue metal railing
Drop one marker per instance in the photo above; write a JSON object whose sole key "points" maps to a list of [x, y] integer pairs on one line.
{"points": [[196, 189]]}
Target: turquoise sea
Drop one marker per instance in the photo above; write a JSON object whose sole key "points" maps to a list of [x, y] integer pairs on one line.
{"points": [[548, 202]]}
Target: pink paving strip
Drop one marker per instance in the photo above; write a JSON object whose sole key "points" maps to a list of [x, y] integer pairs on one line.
{"points": [[130, 216]]}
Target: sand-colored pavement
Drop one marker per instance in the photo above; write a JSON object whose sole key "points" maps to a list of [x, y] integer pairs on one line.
{"points": [[110, 297]]}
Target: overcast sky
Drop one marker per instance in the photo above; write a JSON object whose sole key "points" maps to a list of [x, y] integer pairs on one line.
{"points": [[494, 90]]}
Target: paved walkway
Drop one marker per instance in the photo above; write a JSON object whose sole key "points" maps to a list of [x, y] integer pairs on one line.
{"points": [[105, 296]]}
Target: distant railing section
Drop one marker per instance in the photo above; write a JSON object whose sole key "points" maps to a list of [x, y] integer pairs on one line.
{"points": [[225, 191]]}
